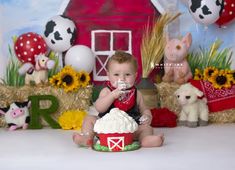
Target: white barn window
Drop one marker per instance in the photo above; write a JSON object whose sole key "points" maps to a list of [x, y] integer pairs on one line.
{"points": [[104, 43]]}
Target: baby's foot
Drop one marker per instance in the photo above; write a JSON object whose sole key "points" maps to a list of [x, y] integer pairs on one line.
{"points": [[82, 139], [25, 126], [152, 141], [13, 127]]}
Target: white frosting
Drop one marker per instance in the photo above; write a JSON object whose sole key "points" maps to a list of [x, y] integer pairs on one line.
{"points": [[122, 85], [116, 121]]}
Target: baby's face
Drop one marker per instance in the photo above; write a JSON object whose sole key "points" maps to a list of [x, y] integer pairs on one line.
{"points": [[124, 72]]}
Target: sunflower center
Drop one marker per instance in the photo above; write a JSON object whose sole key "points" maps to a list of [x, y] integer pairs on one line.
{"points": [[67, 79], [210, 72], [233, 75], [83, 78], [221, 80]]}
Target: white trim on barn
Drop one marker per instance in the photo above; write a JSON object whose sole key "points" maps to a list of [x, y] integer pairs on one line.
{"points": [[63, 7], [164, 6], [108, 53], [158, 6]]}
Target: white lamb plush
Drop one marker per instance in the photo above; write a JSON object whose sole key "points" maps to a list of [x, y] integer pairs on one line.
{"points": [[194, 110]]}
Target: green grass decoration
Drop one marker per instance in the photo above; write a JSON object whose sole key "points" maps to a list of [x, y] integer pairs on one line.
{"points": [[221, 59], [131, 147], [36, 111], [12, 77], [57, 67]]}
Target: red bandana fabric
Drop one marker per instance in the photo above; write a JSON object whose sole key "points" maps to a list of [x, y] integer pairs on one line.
{"points": [[217, 99], [126, 102]]}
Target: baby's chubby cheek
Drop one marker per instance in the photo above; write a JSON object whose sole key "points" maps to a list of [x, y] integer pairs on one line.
{"points": [[114, 83]]}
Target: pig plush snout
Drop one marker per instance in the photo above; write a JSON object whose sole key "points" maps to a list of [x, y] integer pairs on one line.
{"points": [[17, 112]]}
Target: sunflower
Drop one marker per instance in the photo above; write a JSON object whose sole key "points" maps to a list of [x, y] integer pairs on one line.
{"points": [[55, 81], [221, 79], [198, 74], [207, 73], [83, 78], [69, 79], [72, 119], [232, 74]]}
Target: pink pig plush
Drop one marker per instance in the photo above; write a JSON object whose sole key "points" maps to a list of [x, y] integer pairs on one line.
{"points": [[176, 66]]}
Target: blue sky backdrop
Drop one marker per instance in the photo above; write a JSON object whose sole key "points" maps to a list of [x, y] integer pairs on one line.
{"points": [[205, 36], [21, 16]]}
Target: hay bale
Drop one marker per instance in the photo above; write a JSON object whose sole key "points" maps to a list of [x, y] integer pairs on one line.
{"points": [[6, 98], [150, 97], [168, 99], [226, 116], [80, 100]]}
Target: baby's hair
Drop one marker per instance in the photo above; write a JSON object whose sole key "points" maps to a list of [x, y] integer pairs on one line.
{"points": [[122, 57]]}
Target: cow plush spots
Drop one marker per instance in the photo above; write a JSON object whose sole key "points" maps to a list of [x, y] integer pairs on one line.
{"points": [[17, 115], [206, 11], [60, 33]]}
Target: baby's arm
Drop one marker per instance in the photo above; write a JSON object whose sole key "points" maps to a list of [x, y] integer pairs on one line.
{"points": [[146, 117], [106, 98]]}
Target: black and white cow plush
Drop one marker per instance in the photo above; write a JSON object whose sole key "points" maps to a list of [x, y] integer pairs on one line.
{"points": [[206, 11], [60, 33], [17, 115]]}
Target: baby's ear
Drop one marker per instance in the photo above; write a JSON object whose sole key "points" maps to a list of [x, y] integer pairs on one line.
{"points": [[108, 73]]}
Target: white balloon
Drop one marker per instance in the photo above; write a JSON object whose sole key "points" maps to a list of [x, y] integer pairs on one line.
{"points": [[80, 57], [60, 33], [205, 12]]}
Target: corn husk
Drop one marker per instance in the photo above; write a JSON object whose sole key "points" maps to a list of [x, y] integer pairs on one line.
{"points": [[153, 43]]}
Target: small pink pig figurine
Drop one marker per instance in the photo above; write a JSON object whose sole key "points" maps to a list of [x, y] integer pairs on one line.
{"points": [[176, 66]]}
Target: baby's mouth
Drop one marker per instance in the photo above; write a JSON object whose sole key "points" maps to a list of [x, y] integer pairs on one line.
{"points": [[122, 85]]}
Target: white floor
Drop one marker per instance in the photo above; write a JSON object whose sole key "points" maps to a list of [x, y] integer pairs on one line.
{"points": [[202, 148]]}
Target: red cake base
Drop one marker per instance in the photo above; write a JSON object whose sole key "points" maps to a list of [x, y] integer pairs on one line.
{"points": [[116, 141]]}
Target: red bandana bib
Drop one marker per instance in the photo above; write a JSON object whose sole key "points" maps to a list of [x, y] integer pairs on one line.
{"points": [[127, 101]]}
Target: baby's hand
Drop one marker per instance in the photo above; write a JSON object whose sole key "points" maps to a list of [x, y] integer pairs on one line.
{"points": [[117, 93], [145, 119]]}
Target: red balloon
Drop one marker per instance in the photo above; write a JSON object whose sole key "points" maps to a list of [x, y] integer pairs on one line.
{"points": [[28, 46], [228, 13]]}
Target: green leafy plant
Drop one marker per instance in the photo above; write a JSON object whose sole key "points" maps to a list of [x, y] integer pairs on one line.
{"points": [[57, 67], [12, 77], [221, 59]]}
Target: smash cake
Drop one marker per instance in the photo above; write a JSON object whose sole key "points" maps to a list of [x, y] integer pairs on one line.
{"points": [[115, 131]]}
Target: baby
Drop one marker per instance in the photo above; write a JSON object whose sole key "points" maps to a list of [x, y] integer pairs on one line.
{"points": [[121, 93]]}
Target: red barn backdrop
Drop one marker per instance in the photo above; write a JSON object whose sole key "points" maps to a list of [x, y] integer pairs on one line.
{"points": [[109, 25]]}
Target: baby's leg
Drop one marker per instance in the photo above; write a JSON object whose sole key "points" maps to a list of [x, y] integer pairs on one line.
{"points": [[147, 138], [85, 138]]}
